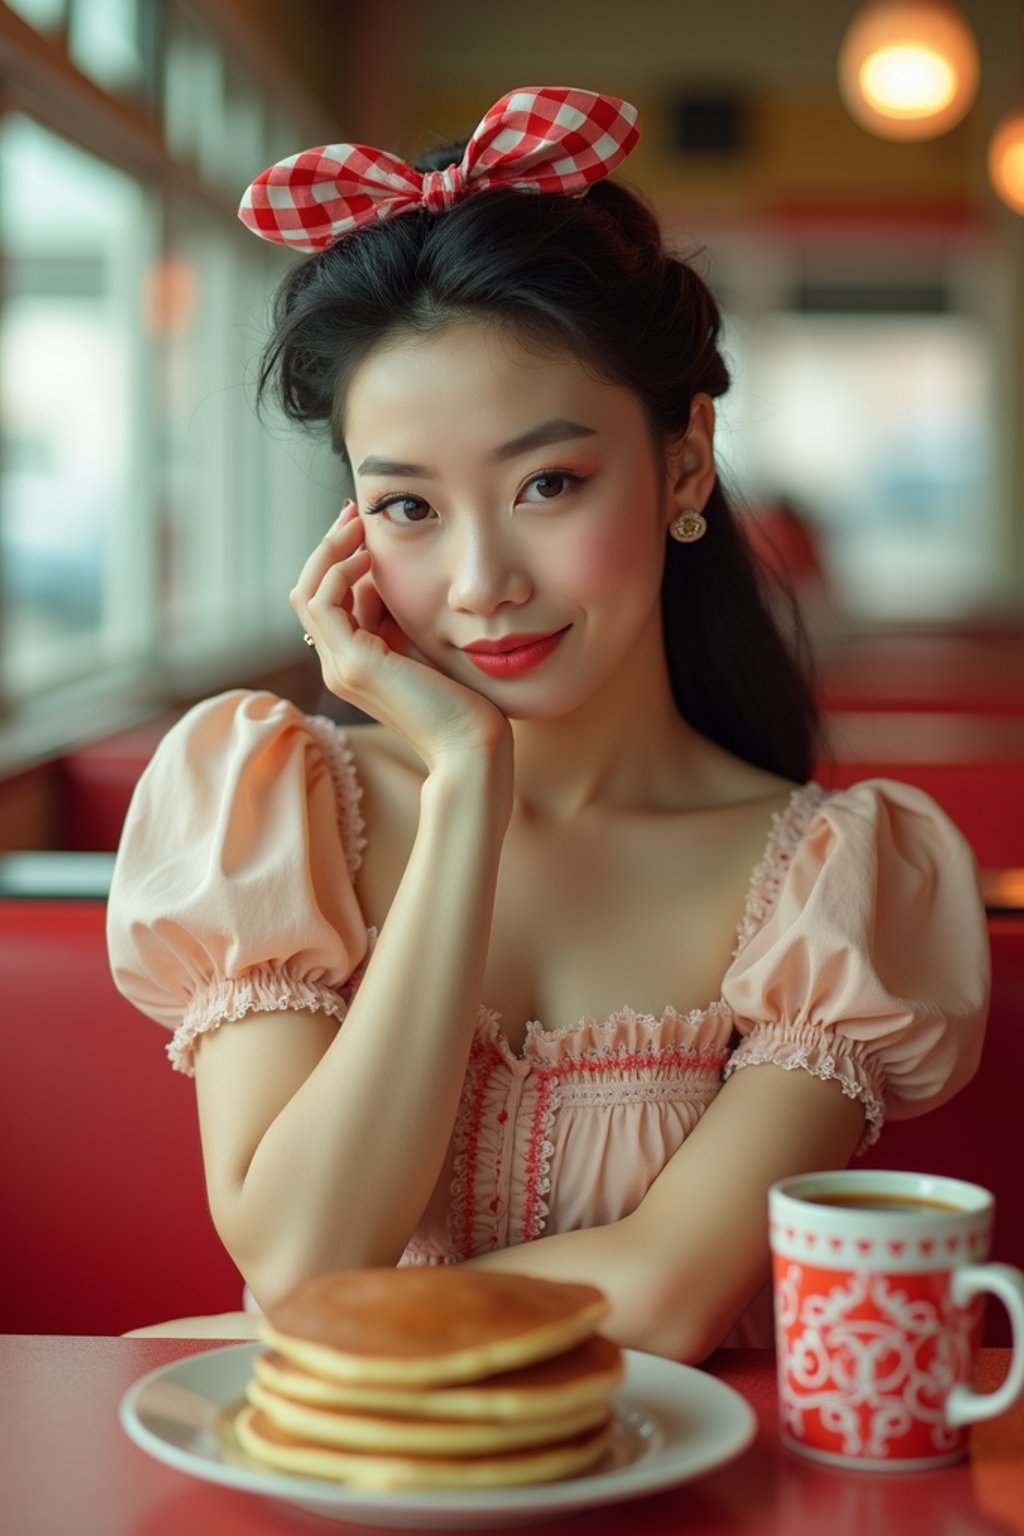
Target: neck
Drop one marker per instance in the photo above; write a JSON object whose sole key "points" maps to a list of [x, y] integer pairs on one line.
{"points": [[626, 746]]}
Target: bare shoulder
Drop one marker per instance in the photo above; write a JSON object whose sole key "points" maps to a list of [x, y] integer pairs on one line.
{"points": [[757, 786], [729, 782]]}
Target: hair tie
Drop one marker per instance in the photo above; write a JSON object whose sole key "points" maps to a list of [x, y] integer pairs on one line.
{"points": [[537, 138]]}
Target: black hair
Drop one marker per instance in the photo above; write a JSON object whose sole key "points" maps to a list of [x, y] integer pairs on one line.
{"points": [[590, 275]]}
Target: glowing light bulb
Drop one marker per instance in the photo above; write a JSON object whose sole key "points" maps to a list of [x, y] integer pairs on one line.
{"points": [[1006, 160], [908, 69], [908, 81]]}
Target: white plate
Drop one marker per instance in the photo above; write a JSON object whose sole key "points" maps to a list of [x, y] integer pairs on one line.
{"points": [[672, 1423]]}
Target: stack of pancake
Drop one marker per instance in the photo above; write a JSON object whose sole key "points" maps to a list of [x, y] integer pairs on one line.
{"points": [[433, 1377]]}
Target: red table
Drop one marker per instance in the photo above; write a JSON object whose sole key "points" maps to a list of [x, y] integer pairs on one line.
{"points": [[68, 1469]]}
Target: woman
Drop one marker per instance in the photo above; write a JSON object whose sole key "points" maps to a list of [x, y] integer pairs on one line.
{"points": [[590, 763]]}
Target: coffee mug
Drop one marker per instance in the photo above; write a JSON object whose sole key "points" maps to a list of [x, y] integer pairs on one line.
{"points": [[880, 1282]]}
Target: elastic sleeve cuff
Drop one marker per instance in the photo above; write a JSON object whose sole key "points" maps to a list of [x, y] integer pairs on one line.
{"points": [[263, 989], [823, 1053]]}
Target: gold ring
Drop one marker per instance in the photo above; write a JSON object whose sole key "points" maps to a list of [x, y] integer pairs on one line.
{"points": [[309, 639]]}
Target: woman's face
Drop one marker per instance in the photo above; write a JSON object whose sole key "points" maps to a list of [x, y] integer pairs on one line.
{"points": [[508, 498]]}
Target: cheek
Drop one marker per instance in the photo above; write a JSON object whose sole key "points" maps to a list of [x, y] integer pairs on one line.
{"points": [[403, 584], [610, 555]]}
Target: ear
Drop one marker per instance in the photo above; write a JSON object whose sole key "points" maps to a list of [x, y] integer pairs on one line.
{"points": [[690, 461]]}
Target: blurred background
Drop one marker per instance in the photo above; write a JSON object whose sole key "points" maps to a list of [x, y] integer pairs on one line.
{"points": [[871, 274]]}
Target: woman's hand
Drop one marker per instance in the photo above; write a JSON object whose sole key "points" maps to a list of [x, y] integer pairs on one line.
{"points": [[368, 661]]}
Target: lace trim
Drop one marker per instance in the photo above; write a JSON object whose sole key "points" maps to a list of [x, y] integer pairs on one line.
{"points": [[787, 831], [348, 791], [540, 1151], [689, 1087], [680, 1060], [648, 1022], [419, 1254], [824, 1054], [264, 989]]}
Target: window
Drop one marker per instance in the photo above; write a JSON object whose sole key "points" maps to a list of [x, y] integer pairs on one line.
{"points": [[108, 41], [45, 15], [880, 429], [242, 502], [866, 395], [73, 391], [150, 526]]}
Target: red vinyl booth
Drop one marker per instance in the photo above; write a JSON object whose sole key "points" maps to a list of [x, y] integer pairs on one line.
{"points": [[972, 765], [96, 784], [104, 1212]]}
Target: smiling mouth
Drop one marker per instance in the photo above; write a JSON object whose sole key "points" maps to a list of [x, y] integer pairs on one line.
{"points": [[513, 655], [508, 643]]}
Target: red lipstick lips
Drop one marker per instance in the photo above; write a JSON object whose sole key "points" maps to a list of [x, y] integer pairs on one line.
{"points": [[513, 655]]}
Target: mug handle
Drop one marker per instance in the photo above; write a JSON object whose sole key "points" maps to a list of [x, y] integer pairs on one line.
{"points": [[964, 1405]]}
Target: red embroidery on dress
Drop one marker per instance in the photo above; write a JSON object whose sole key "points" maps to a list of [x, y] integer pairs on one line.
{"points": [[483, 1061], [538, 1154]]}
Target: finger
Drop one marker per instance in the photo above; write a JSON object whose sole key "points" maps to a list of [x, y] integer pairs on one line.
{"points": [[302, 596], [327, 553], [337, 544], [328, 616], [367, 604], [330, 607]]}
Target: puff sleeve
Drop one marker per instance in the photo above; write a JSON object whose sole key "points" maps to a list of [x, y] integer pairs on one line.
{"points": [[233, 884], [871, 964]]}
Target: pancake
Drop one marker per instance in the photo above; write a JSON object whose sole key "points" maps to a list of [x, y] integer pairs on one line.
{"points": [[548, 1389], [434, 1377], [428, 1326], [261, 1438], [356, 1431]]}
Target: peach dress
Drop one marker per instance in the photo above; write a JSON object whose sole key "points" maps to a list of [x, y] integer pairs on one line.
{"points": [[862, 955]]}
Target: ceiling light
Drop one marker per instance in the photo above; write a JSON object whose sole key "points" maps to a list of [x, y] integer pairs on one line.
{"points": [[908, 69], [1006, 160]]}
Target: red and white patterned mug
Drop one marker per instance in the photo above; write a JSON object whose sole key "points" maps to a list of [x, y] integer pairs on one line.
{"points": [[880, 1283]]}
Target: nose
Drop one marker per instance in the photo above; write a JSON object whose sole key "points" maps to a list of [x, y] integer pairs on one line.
{"points": [[486, 573]]}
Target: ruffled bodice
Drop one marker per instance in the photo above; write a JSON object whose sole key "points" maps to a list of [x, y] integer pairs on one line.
{"points": [[539, 1139]]}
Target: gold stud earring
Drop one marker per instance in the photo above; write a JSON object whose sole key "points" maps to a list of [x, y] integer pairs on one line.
{"points": [[688, 527]]}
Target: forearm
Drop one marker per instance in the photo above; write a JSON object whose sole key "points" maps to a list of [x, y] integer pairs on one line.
{"points": [[342, 1174], [661, 1303], [608, 1257]]}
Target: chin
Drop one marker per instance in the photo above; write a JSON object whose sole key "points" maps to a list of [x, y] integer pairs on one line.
{"points": [[544, 705]]}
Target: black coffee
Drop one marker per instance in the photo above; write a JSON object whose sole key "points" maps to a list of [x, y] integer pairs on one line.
{"points": [[880, 1200]]}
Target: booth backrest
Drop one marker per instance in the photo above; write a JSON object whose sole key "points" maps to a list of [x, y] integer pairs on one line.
{"points": [[972, 765], [985, 801], [102, 1204], [96, 784], [975, 670], [975, 1136]]}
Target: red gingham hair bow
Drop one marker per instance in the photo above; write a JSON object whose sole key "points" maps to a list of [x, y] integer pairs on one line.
{"points": [[539, 138]]}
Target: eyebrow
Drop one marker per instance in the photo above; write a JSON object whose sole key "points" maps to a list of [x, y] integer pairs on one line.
{"points": [[556, 431]]}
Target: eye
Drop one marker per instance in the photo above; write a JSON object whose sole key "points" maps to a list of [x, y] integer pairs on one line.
{"points": [[402, 511], [554, 484]]}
